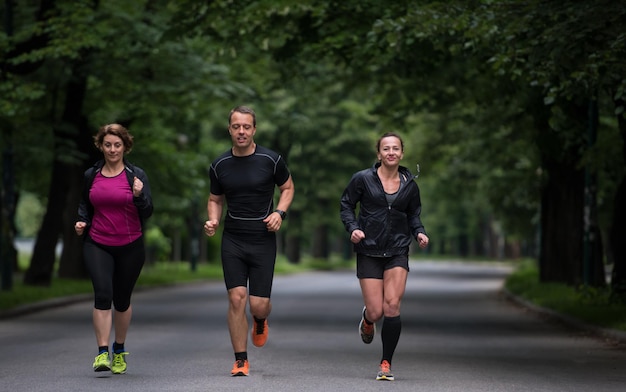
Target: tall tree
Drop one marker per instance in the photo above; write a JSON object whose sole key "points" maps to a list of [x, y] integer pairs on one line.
{"points": [[558, 49], [569, 51], [93, 75], [65, 188]]}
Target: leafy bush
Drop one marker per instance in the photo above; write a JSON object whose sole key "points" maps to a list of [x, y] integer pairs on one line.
{"points": [[28, 215], [591, 305], [158, 247]]}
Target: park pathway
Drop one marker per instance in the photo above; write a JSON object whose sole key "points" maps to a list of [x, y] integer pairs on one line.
{"points": [[459, 334]]}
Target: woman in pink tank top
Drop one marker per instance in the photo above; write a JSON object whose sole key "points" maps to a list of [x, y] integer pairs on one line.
{"points": [[115, 203]]}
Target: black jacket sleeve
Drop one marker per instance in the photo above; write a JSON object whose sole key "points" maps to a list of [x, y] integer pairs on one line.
{"points": [[143, 202]]}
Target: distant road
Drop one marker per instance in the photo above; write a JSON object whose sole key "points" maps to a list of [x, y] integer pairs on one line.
{"points": [[458, 334]]}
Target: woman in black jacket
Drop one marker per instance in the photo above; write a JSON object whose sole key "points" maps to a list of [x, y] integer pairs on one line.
{"points": [[388, 220]]}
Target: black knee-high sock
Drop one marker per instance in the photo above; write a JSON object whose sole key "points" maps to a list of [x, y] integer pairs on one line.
{"points": [[390, 335]]}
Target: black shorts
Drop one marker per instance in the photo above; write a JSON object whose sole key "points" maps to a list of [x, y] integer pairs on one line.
{"points": [[374, 267], [249, 261]]}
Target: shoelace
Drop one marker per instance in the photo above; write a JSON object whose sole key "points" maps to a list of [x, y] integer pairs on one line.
{"points": [[102, 357], [118, 359], [241, 363], [385, 368], [260, 327]]}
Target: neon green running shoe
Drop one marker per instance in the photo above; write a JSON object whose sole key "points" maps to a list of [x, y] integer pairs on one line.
{"points": [[102, 363], [119, 363]]}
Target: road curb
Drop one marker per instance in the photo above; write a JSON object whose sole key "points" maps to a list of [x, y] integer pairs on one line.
{"points": [[618, 337], [72, 299], [43, 305]]}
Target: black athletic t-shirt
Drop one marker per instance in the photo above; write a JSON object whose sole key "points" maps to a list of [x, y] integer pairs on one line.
{"points": [[248, 184]]}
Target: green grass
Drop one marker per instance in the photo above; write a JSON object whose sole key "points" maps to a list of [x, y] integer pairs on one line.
{"points": [[588, 304], [21, 294], [152, 275]]}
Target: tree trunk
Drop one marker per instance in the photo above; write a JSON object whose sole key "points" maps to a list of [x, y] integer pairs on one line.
{"points": [[65, 187], [617, 243], [292, 238], [8, 206], [562, 197], [618, 228], [320, 242], [560, 258], [39, 273], [461, 239], [71, 264]]}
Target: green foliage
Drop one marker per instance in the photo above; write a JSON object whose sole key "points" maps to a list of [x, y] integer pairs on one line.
{"points": [[461, 80], [158, 246], [165, 273], [333, 263], [28, 215], [157, 274], [164, 89], [23, 295], [590, 305]]}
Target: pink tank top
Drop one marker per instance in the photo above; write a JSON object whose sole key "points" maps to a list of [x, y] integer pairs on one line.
{"points": [[115, 220]]}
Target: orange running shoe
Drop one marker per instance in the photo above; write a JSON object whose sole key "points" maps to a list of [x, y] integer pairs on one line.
{"points": [[240, 368], [259, 333], [385, 371], [367, 331]]}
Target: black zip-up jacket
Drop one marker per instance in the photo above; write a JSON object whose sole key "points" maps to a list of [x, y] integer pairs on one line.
{"points": [[143, 202], [389, 230]]}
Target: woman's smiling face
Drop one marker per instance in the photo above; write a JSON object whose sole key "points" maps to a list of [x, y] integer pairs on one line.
{"points": [[390, 151]]}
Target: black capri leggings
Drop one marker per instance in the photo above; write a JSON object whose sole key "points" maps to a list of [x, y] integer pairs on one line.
{"points": [[114, 270]]}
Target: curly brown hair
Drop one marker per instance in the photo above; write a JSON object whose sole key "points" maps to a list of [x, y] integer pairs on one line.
{"points": [[117, 130]]}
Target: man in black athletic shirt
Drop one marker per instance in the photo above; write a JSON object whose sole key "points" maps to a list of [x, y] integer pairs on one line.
{"points": [[244, 178]]}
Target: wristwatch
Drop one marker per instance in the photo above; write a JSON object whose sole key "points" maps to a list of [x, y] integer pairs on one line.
{"points": [[283, 214]]}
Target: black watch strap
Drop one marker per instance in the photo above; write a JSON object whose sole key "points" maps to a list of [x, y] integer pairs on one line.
{"points": [[283, 214]]}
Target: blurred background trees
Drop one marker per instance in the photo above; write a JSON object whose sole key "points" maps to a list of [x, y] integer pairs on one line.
{"points": [[514, 111]]}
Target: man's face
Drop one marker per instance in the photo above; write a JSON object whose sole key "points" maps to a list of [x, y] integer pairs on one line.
{"points": [[241, 130]]}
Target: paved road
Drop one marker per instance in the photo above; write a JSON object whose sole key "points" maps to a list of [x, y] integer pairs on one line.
{"points": [[458, 335]]}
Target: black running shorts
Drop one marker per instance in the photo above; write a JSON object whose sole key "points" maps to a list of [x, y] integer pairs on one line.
{"points": [[249, 261], [374, 267]]}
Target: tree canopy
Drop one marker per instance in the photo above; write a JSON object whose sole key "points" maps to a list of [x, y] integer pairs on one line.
{"points": [[513, 109]]}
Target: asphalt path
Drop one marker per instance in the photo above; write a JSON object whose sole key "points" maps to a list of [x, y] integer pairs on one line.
{"points": [[459, 334]]}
